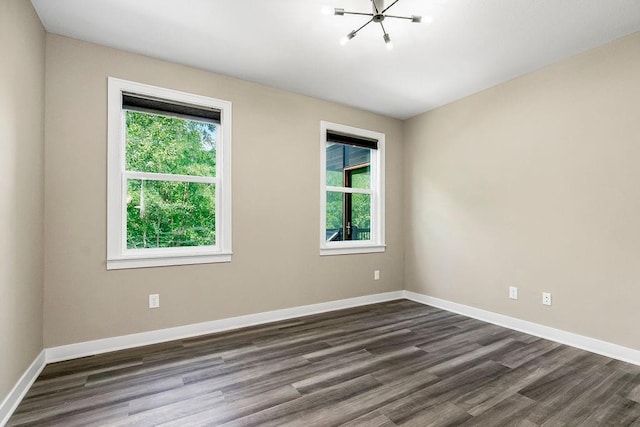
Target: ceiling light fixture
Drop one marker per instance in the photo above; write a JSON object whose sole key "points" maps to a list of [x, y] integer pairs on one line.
{"points": [[377, 15]]}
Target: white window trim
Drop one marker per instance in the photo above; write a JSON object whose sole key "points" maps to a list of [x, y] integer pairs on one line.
{"points": [[377, 244], [118, 256]]}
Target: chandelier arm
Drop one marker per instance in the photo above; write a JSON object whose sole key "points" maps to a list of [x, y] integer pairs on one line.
{"points": [[398, 17], [363, 25], [383, 30], [375, 6], [390, 6], [357, 13]]}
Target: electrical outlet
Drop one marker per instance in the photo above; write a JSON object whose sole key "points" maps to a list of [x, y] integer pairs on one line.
{"points": [[154, 300], [376, 275], [513, 292], [546, 298]]}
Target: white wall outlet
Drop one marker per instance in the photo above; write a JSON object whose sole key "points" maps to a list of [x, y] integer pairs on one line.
{"points": [[513, 292], [546, 298], [154, 300], [376, 275]]}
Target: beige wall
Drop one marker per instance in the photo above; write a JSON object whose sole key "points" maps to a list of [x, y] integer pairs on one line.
{"points": [[534, 183], [22, 44], [276, 155]]}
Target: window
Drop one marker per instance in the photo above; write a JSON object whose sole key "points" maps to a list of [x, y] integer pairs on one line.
{"points": [[351, 190], [169, 189]]}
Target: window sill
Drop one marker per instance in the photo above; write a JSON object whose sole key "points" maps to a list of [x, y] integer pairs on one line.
{"points": [[351, 250], [124, 263]]}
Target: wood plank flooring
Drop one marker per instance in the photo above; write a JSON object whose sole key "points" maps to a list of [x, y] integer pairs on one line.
{"points": [[392, 364]]}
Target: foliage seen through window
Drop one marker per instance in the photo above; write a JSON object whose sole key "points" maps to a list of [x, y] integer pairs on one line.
{"points": [[163, 214]]}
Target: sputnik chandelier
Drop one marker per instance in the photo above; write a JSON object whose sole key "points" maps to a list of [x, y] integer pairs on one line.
{"points": [[378, 15]]}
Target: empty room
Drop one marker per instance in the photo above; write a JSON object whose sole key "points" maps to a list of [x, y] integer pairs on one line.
{"points": [[319, 213]]}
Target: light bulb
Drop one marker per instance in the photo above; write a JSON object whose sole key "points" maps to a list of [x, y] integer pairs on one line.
{"points": [[348, 37], [387, 41]]}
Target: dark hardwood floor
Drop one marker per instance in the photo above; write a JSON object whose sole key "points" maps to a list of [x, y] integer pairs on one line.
{"points": [[396, 363]]}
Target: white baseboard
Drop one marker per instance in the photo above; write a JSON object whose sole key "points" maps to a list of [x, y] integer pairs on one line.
{"points": [[593, 345], [73, 351], [88, 348], [10, 403]]}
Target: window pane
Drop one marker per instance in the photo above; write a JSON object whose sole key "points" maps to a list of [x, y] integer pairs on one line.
{"points": [[348, 166], [361, 216], [348, 216], [172, 145], [168, 214], [334, 216]]}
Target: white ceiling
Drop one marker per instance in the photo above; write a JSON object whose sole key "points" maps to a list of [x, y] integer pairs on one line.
{"points": [[469, 45]]}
